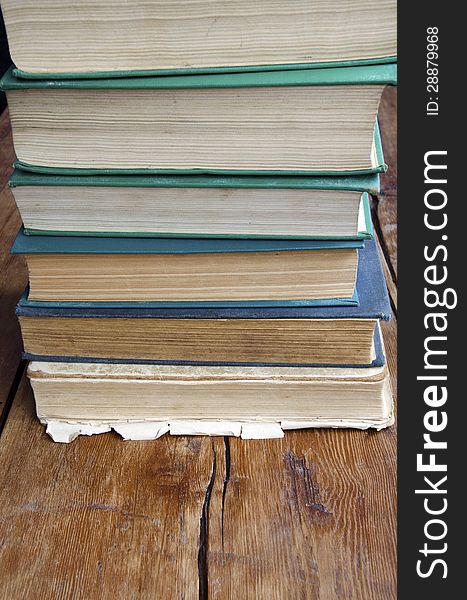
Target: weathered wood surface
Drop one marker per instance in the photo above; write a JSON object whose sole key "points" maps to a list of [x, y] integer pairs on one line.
{"points": [[386, 221], [387, 202], [13, 276], [302, 517], [309, 516], [98, 518]]}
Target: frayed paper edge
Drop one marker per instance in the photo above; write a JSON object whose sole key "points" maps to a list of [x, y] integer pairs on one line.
{"points": [[67, 431]]}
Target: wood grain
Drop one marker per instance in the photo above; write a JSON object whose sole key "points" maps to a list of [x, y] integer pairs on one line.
{"points": [[99, 518], [387, 202], [309, 516], [388, 274], [7, 153], [386, 222], [13, 275]]}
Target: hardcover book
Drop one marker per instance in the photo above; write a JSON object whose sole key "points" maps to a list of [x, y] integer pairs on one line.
{"points": [[301, 122], [291, 335], [76, 39], [102, 269], [146, 401], [195, 206]]}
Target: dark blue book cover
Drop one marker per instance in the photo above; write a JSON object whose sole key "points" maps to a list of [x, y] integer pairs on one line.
{"points": [[370, 301], [42, 244], [373, 304], [378, 361]]}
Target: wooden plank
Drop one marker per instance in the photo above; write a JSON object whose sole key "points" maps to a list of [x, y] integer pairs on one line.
{"points": [[309, 516], [389, 330], [7, 153], [13, 274], [386, 221], [387, 117], [389, 276], [386, 209], [99, 518]]}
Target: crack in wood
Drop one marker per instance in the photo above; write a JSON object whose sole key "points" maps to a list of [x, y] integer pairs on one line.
{"points": [[225, 484], [380, 234], [12, 393], [383, 246], [203, 584]]}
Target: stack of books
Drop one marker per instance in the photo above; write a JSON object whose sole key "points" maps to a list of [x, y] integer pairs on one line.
{"points": [[194, 183]]}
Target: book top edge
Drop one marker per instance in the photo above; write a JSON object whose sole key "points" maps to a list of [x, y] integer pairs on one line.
{"points": [[201, 70], [45, 244], [357, 183], [381, 74], [371, 292]]}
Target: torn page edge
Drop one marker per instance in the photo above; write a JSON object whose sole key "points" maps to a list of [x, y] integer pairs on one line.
{"points": [[140, 431], [64, 432], [206, 428], [261, 431], [67, 431]]}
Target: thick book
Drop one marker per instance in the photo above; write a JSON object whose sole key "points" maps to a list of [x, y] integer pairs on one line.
{"points": [[111, 269], [295, 334], [114, 38], [195, 206], [297, 122], [145, 401]]}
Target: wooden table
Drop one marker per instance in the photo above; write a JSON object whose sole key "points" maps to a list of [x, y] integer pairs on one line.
{"points": [[310, 516]]}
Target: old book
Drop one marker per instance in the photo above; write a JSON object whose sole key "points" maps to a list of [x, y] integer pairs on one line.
{"points": [[192, 206], [145, 401], [114, 37], [101, 269], [302, 122], [295, 334]]}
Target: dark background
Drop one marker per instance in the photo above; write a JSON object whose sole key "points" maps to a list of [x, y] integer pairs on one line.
{"points": [[418, 134], [5, 59]]}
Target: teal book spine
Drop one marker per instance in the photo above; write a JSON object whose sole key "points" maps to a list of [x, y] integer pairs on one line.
{"points": [[380, 74], [370, 301], [355, 183], [28, 245], [44, 244], [206, 70]]}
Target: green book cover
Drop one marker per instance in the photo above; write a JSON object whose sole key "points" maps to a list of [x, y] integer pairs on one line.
{"points": [[356, 75], [355, 183], [365, 231], [381, 168], [367, 184], [205, 70], [381, 74]]}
